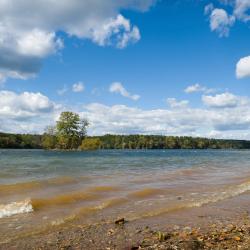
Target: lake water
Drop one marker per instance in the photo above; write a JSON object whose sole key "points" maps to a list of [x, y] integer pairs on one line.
{"points": [[40, 189]]}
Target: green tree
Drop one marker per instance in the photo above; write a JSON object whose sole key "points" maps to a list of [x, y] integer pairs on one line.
{"points": [[91, 144], [70, 130], [49, 139]]}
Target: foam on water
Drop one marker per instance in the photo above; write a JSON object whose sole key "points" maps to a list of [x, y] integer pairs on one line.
{"points": [[222, 195], [226, 194], [15, 208]]}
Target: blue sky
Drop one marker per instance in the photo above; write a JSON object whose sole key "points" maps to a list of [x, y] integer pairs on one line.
{"points": [[130, 62]]}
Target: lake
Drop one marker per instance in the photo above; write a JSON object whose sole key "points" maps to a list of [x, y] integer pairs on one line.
{"points": [[41, 189]]}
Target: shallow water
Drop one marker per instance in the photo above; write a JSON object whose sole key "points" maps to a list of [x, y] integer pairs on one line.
{"points": [[40, 189]]}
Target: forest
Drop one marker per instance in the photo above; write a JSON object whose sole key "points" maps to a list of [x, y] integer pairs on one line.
{"points": [[20, 141], [25, 141], [166, 142]]}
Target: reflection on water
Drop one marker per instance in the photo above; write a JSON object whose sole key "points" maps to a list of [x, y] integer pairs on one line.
{"points": [[39, 189]]}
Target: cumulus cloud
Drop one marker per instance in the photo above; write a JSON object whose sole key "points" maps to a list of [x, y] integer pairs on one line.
{"points": [[125, 120], [121, 119], [241, 10], [26, 112], [26, 104], [29, 29], [243, 67], [31, 112], [198, 88], [224, 100], [173, 103], [119, 29], [118, 88], [208, 9], [220, 21], [78, 87]]}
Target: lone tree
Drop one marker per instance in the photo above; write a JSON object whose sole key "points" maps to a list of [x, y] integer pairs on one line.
{"points": [[68, 133], [70, 130]]}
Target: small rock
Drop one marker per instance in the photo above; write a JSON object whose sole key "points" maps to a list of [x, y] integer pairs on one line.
{"points": [[209, 244], [237, 238], [163, 236], [120, 221], [200, 239], [134, 248], [187, 228], [111, 232]]}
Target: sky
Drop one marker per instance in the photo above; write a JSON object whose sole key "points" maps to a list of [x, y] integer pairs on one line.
{"points": [[129, 66]]}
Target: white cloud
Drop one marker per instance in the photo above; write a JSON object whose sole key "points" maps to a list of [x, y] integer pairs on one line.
{"points": [[208, 9], [119, 27], [173, 103], [117, 87], [24, 104], [121, 119], [243, 67], [241, 8], [78, 87], [220, 21], [31, 112], [224, 100], [29, 29], [125, 120], [26, 112], [37, 43], [198, 88]]}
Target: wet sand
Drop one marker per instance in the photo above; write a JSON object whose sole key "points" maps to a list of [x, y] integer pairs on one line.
{"points": [[221, 225]]}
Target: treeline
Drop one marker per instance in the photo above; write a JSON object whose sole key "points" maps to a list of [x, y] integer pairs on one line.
{"points": [[161, 142], [20, 141], [26, 141]]}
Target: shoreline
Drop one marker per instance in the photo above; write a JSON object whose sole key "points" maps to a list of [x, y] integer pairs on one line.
{"points": [[223, 225], [129, 235]]}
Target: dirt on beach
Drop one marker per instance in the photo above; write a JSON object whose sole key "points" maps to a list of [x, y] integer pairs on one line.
{"points": [[126, 236]]}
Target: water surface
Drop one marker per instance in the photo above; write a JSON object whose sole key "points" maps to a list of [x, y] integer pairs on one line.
{"points": [[39, 189]]}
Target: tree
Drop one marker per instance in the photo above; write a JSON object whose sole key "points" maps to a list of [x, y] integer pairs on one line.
{"points": [[91, 144], [49, 139], [70, 130]]}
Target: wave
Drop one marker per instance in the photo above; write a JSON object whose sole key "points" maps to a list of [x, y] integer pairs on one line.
{"points": [[146, 192], [15, 208], [106, 204], [31, 205], [228, 193], [104, 189], [64, 199], [31, 185]]}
